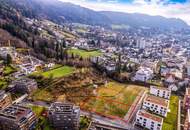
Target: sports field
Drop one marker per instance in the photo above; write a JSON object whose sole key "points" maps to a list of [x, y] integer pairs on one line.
{"points": [[114, 99]]}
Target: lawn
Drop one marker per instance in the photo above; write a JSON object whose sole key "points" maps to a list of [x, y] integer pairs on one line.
{"points": [[84, 53], [114, 99], [3, 84], [170, 122], [8, 70], [37, 110], [58, 72]]}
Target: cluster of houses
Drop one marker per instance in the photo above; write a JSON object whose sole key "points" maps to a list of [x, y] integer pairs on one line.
{"points": [[154, 108]]}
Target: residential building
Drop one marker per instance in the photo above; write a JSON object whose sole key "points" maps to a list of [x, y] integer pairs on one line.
{"points": [[188, 68], [187, 121], [187, 99], [16, 117], [5, 99], [24, 85], [160, 92], [156, 104], [143, 74], [149, 121], [64, 116]]}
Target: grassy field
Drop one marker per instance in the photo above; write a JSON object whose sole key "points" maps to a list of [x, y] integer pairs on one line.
{"points": [[3, 83], [114, 99], [37, 110], [170, 122], [83, 53], [8, 70], [58, 72]]}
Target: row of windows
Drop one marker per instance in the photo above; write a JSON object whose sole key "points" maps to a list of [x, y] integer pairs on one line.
{"points": [[156, 106], [152, 124]]}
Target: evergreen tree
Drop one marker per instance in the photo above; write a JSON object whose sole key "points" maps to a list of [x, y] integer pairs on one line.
{"points": [[9, 59]]}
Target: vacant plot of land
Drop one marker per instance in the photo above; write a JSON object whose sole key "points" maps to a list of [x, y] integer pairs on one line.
{"points": [[114, 99], [170, 122], [58, 72], [43, 95], [84, 54]]}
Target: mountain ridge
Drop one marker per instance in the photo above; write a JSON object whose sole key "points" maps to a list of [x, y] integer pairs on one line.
{"points": [[62, 12]]}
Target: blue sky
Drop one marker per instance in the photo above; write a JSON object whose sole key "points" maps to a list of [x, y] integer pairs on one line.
{"points": [[167, 8]]}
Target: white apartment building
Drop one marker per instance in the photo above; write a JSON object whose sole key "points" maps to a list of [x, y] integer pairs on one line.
{"points": [[143, 74], [149, 121], [160, 92], [157, 105]]}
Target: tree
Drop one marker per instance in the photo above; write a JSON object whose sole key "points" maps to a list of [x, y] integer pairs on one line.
{"points": [[9, 59], [57, 51]]}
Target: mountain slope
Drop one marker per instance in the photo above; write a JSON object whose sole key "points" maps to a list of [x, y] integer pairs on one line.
{"points": [[58, 11], [138, 20], [61, 12]]}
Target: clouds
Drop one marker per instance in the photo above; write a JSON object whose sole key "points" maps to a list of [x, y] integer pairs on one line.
{"points": [[167, 8]]}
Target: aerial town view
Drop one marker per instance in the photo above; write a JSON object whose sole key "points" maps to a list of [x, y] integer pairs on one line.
{"points": [[94, 65]]}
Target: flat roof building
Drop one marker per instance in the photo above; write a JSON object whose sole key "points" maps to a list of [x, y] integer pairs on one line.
{"points": [[156, 104], [64, 116], [5, 99], [16, 117], [148, 120], [160, 92], [24, 85]]}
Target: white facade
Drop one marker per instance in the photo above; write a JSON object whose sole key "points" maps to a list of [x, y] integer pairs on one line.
{"points": [[156, 104], [160, 92], [149, 121], [143, 74], [188, 68]]}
